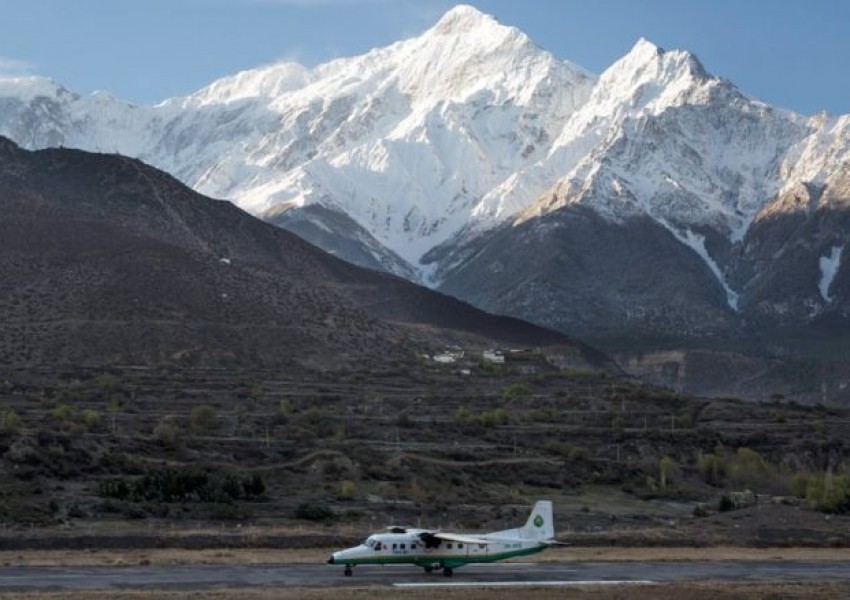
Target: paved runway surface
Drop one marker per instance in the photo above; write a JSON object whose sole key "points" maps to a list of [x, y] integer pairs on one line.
{"points": [[196, 577]]}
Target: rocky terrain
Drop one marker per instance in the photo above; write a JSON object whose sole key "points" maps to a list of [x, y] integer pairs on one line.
{"points": [[108, 261]]}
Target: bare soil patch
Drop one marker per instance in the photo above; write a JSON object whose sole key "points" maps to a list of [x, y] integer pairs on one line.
{"points": [[702, 591]]}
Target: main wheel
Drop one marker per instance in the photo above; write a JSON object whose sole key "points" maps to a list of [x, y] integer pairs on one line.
{"points": [[348, 572], [428, 569], [447, 572]]}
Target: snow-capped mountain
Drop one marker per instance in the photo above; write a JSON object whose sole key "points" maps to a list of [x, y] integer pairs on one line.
{"points": [[405, 140], [477, 162]]}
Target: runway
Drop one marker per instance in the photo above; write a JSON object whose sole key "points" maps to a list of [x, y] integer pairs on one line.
{"points": [[500, 574]]}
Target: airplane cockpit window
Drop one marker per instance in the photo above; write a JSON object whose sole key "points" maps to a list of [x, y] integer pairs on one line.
{"points": [[370, 541]]}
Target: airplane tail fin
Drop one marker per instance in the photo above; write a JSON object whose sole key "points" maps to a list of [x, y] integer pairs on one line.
{"points": [[539, 526]]}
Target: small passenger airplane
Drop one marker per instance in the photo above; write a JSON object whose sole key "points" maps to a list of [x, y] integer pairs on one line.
{"points": [[434, 549]]}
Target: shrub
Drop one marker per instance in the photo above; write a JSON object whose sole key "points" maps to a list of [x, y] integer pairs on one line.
{"points": [[725, 504], [254, 486], [799, 484], [494, 418], [203, 418], [749, 469], [347, 490], [91, 418], [285, 408], [10, 421], [167, 432], [314, 512], [463, 415], [62, 412], [517, 390], [828, 493]]}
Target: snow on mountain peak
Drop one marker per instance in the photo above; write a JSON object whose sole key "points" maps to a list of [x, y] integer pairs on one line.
{"points": [[28, 87], [463, 18], [269, 82]]}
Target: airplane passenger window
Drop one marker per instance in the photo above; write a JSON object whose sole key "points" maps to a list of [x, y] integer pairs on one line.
{"points": [[394, 546], [402, 546], [448, 546], [460, 546]]}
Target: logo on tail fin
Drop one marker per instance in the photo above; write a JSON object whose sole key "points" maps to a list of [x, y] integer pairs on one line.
{"points": [[538, 521]]}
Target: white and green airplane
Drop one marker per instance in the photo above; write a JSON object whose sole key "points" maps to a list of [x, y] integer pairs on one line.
{"points": [[435, 549]]}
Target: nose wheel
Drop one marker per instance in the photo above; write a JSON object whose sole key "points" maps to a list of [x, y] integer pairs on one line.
{"points": [[348, 572], [447, 572]]}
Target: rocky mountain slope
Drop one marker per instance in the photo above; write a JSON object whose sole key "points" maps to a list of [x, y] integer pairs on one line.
{"points": [[108, 261]]}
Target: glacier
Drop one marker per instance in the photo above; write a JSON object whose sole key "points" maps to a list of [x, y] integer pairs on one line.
{"points": [[828, 270]]}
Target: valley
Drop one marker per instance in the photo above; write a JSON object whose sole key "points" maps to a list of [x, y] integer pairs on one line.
{"points": [[425, 285]]}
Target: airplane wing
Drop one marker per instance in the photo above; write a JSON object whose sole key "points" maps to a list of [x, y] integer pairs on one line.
{"points": [[405, 529], [429, 534], [463, 539]]}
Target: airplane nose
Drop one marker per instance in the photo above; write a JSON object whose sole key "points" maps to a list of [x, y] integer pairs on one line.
{"points": [[331, 559]]}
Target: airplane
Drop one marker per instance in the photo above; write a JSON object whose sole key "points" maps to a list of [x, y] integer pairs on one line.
{"points": [[435, 549]]}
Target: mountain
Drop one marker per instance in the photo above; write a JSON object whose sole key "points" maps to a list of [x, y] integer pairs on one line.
{"points": [[684, 209], [391, 151], [108, 261], [655, 206]]}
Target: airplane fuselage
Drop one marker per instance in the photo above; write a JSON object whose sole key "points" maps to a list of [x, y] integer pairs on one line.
{"points": [[405, 548]]}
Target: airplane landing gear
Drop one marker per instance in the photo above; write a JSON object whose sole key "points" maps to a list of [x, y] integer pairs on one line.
{"points": [[348, 572], [447, 572], [428, 569]]}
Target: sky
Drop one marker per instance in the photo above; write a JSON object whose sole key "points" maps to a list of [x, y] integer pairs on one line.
{"points": [[794, 54]]}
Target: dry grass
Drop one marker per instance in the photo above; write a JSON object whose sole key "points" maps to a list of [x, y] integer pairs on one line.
{"points": [[248, 556], [698, 591]]}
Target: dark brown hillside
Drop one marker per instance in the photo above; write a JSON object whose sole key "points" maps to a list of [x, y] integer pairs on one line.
{"points": [[104, 260]]}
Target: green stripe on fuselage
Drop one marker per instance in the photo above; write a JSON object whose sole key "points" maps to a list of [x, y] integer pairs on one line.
{"points": [[450, 561]]}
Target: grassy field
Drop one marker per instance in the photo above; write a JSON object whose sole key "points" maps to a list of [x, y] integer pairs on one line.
{"points": [[701, 591]]}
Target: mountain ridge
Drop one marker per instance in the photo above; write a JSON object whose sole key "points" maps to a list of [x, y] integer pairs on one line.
{"points": [[109, 261]]}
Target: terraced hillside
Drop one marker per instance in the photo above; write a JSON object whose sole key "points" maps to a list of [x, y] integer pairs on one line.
{"points": [[406, 444]]}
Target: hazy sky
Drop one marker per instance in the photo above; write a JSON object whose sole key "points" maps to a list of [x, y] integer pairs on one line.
{"points": [[791, 53]]}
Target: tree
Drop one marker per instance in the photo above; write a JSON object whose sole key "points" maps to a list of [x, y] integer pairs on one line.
{"points": [[114, 404], [203, 418], [828, 493], [10, 421], [710, 467], [748, 468], [666, 468], [285, 408]]}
